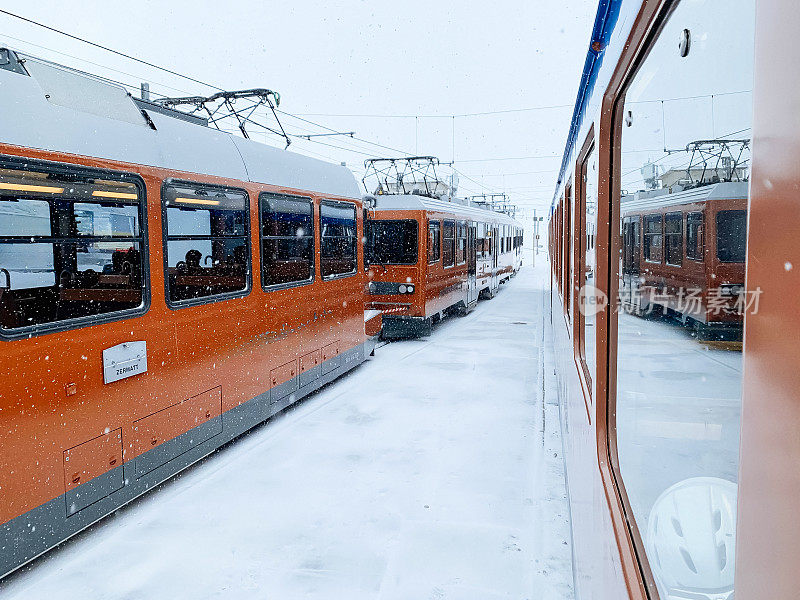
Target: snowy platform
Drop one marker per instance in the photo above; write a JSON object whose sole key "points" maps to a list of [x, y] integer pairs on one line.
{"points": [[427, 473]]}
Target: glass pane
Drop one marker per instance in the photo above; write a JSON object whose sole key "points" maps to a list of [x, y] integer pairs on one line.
{"points": [[589, 297], [46, 280], [673, 230], [433, 241], [24, 217], [392, 242], [96, 278], [694, 236], [731, 235], [679, 351], [338, 220], [287, 260], [338, 242], [199, 268], [286, 217], [103, 220], [448, 244]]}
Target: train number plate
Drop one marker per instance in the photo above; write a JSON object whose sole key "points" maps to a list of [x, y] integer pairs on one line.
{"points": [[124, 360]]}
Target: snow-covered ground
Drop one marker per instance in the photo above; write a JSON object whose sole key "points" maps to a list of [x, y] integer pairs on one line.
{"points": [[426, 473]]}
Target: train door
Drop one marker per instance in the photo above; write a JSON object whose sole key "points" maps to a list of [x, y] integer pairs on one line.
{"points": [[630, 259], [472, 264]]}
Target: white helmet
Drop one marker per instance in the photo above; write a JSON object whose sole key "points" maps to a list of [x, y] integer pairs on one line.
{"points": [[691, 539]]}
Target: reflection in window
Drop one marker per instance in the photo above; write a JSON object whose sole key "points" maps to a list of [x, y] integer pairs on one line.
{"points": [[448, 244], [208, 251], [392, 242], [731, 235], [434, 241], [70, 247], [287, 240], [694, 236], [673, 234], [653, 240], [679, 354], [589, 300], [338, 239]]}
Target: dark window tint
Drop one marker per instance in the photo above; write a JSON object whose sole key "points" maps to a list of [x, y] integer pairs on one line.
{"points": [[70, 246], [287, 240], [448, 244], [338, 238], [208, 250], [434, 241], [462, 244], [653, 238], [673, 233], [694, 236], [392, 242], [731, 235]]}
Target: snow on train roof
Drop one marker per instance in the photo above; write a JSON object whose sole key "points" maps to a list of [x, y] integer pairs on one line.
{"points": [[660, 198], [416, 202], [59, 109]]}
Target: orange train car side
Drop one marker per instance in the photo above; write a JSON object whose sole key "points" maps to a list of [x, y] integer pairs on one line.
{"points": [[150, 313], [428, 256]]}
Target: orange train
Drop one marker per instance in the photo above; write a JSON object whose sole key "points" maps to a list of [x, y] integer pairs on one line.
{"points": [[683, 254], [164, 287], [428, 256]]}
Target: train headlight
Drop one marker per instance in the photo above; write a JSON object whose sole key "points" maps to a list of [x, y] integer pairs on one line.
{"points": [[727, 289], [402, 289], [410, 289]]}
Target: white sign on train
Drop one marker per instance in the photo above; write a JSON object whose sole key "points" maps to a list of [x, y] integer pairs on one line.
{"points": [[124, 360]]}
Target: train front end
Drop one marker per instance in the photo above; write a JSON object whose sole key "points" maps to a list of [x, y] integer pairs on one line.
{"points": [[395, 272]]}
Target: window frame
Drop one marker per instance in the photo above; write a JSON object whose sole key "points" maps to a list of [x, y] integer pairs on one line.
{"points": [[67, 169], [646, 235], [717, 216], [452, 222], [461, 227], [589, 379], [354, 206], [291, 284], [679, 234], [416, 246], [700, 243], [170, 181], [438, 228]]}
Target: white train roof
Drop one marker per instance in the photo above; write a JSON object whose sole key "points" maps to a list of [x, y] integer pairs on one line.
{"points": [[415, 202], [660, 198], [58, 109]]}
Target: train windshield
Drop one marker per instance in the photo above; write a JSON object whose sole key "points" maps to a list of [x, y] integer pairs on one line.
{"points": [[392, 242], [731, 235]]}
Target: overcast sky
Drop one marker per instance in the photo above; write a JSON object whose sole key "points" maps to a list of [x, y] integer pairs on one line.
{"points": [[353, 66]]}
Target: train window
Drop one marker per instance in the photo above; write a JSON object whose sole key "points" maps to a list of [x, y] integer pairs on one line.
{"points": [[434, 241], [461, 255], [448, 244], [338, 239], [588, 296], [673, 235], [71, 247], [731, 235], [567, 261], [208, 243], [392, 242], [653, 238], [694, 236], [678, 373], [287, 240]]}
